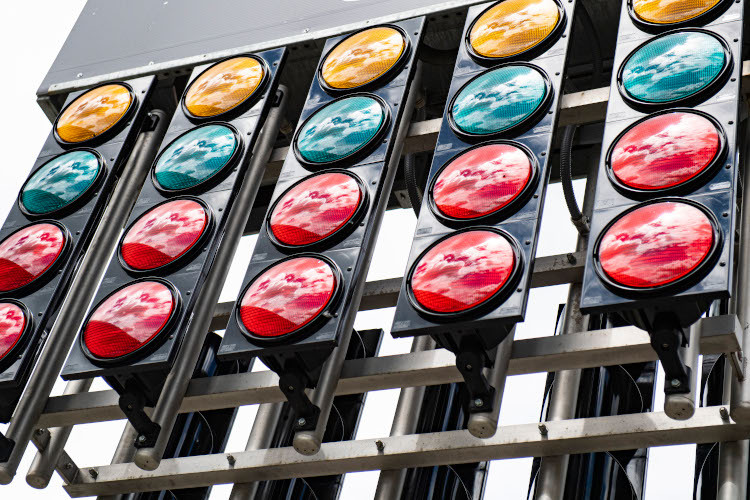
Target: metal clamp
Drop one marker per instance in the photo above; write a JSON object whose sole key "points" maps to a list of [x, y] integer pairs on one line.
{"points": [[132, 404], [293, 384], [666, 339], [470, 361]]}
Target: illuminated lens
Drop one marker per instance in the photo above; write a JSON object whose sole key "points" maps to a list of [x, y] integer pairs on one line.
{"points": [[195, 157], [362, 58], [224, 86], [287, 297], [340, 129], [315, 208], [498, 100], [463, 271], [513, 26], [656, 244], [671, 11], [665, 151], [28, 253], [481, 181], [673, 67], [163, 234], [12, 323], [128, 319], [93, 113], [59, 182]]}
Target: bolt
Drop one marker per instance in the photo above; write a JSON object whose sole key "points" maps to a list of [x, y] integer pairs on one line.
{"points": [[379, 445], [68, 466], [79, 75], [478, 402], [301, 421], [468, 367], [93, 473], [231, 460], [665, 346], [675, 383], [542, 429], [724, 413], [130, 407], [571, 258], [39, 432], [141, 439]]}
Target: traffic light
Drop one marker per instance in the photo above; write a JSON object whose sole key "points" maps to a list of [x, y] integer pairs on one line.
{"points": [[306, 276], [467, 278], [57, 211], [662, 229], [145, 301]]}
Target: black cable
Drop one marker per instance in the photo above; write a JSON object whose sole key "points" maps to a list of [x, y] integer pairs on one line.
{"points": [[566, 179]]}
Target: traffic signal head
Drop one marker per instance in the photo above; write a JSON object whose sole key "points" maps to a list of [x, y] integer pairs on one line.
{"points": [[662, 229], [470, 264], [145, 301], [56, 212]]}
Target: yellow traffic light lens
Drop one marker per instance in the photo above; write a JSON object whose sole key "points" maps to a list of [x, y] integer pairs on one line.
{"points": [[363, 58], [671, 11], [224, 86], [93, 113], [512, 27]]}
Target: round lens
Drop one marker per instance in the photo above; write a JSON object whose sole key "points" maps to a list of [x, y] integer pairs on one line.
{"points": [[315, 208], [498, 100], [12, 324], [287, 296], [511, 27], [59, 182], [163, 234], [362, 58], [195, 157], [340, 129], [665, 151], [224, 86], [128, 319], [656, 244], [28, 253], [93, 113], [482, 181], [462, 271], [673, 67], [671, 11]]}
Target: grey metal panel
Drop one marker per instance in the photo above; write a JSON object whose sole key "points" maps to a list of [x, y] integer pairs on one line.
{"points": [[114, 39]]}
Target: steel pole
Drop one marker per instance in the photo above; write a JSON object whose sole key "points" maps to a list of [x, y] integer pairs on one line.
{"points": [[266, 419], [165, 411], [564, 395], [82, 289], [123, 453], [484, 425], [391, 482]]}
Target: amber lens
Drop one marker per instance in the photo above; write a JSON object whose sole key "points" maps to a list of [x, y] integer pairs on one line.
{"points": [[363, 57], [224, 86], [93, 113], [513, 26], [671, 11]]}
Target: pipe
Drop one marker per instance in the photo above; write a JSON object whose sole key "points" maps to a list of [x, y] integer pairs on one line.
{"points": [[165, 411], [81, 290]]}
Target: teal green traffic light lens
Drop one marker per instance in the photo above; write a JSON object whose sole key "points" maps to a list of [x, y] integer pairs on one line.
{"points": [[195, 157], [340, 129], [60, 182], [499, 100], [673, 67]]}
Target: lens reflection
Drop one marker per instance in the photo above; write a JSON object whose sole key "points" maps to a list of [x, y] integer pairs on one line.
{"points": [[59, 182]]}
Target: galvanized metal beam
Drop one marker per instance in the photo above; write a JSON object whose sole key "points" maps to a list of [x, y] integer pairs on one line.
{"points": [[641, 430], [575, 350]]}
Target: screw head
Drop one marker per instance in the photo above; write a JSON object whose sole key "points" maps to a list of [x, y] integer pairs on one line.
{"points": [[301, 421], [478, 403], [141, 439], [675, 383]]}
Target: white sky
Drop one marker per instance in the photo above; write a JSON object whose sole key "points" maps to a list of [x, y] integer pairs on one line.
{"points": [[32, 34]]}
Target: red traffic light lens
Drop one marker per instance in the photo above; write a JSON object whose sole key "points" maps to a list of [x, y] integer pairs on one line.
{"points": [[656, 244], [665, 151], [482, 181], [28, 253], [128, 319], [315, 208], [287, 296], [12, 324], [163, 234], [463, 271]]}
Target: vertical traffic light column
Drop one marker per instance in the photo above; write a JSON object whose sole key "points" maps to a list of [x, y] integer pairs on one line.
{"points": [[306, 276], [54, 217], [662, 230], [174, 236], [470, 264]]}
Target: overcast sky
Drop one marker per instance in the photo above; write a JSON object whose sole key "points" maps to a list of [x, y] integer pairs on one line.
{"points": [[32, 35]]}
